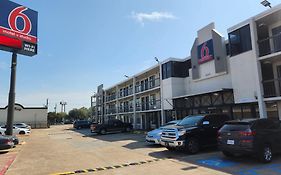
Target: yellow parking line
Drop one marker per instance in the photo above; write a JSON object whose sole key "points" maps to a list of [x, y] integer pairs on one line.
{"points": [[110, 167]]}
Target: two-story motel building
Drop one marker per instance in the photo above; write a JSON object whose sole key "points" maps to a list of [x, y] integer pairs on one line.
{"points": [[240, 76]]}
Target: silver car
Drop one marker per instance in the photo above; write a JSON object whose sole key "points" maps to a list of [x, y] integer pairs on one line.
{"points": [[153, 137]]}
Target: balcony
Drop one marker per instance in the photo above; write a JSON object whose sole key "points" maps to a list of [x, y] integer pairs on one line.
{"points": [[111, 111], [153, 105], [125, 109], [270, 45], [147, 85], [110, 97], [126, 92], [272, 88]]}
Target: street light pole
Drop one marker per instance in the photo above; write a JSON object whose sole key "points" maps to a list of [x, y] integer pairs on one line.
{"points": [[12, 94]]}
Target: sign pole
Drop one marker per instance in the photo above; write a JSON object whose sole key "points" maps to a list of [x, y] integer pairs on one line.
{"points": [[11, 105]]}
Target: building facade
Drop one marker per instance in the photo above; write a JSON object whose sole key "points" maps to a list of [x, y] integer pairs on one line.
{"points": [[36, 117], [239, 75]]}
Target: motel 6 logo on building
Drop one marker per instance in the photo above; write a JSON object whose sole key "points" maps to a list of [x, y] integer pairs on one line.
{"points": [[205, 52], [17, 21]]}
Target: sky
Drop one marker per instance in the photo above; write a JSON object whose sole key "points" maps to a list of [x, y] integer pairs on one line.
{"points": [[85, 43]]}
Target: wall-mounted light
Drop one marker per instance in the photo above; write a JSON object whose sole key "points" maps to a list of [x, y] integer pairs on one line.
{"points": [[266, 3]]}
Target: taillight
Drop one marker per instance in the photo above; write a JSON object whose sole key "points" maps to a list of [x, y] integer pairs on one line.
{"points": [[247, 133], [219, 135]]}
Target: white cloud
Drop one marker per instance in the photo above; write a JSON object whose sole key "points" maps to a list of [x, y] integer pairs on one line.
{"points": [[153, 16]]}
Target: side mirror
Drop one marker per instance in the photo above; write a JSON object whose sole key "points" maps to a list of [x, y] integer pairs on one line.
{"points": [[206, 123]]}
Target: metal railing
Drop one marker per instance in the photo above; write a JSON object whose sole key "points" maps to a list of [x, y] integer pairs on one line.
{"points": [[125, 109], [111, 97], [272, 87], [111, 111], [270, 45], [148, 85], [126, 92], [153, 105]]}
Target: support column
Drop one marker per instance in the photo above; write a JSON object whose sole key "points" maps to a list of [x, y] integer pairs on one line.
{"points": [[134, 102], [259, 85], [161, 95]]}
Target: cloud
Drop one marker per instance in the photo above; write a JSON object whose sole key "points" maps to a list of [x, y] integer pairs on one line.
{"points": [[153, 16]]}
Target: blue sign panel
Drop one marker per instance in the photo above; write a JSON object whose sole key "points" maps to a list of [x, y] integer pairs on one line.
{"points": [[205, 52], [18, 21]]}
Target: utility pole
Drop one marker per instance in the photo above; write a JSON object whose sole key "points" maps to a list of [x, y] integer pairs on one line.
{"points": [[63, 104], [12, 94], [55, 108]]}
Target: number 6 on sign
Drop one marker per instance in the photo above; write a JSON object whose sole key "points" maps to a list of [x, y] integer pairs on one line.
{"points": [[14, 15]]}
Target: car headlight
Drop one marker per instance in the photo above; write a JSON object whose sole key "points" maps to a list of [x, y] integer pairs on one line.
{"points": [[182, 132]]}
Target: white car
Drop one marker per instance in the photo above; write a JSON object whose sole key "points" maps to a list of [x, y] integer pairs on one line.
{"points": [[22, 125], [16, 130]]}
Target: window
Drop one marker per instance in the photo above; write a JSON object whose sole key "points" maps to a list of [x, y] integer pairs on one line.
{"points": [[176, 69], [240, 40]]}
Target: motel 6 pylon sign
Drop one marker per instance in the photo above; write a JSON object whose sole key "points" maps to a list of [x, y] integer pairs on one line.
{"points": [[18, 28]]}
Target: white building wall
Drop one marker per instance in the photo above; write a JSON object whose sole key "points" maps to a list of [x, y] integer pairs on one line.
{"points": [[244, 79], [35, 117], [172, 87]]}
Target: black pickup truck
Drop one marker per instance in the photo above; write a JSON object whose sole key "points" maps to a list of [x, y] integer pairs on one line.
{"points": [[111, 126], [193, 132]]}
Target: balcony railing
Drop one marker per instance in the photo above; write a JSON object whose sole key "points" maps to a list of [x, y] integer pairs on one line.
{"points": [[126, 92], [270, 45], [125, 109], [272, 87], [111, 111], [148, 85], [111, 97], [153, 105]]}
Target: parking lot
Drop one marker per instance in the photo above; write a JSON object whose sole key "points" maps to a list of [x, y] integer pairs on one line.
{"points": [[62, 150]]}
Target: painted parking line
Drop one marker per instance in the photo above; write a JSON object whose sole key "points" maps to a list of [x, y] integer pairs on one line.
{"points": [[109, 167]]}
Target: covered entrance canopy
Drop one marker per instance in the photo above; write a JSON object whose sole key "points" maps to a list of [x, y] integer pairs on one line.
{"points": [[217, 101]]}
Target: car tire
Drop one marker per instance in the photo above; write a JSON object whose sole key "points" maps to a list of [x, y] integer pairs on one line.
{"points": [[192, 146], [21, 132], [266, 154], [102, 131], [128, 129], [227, 154], [171, 148]]}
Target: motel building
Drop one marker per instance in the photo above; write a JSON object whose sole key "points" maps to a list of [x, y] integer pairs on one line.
{"points": [[239, 75]]}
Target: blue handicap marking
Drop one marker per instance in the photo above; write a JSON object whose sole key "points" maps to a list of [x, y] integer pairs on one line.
{"points": [[217, 162]]}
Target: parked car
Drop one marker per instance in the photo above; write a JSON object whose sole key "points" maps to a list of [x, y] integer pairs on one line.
{"points": [[22, 125], [14, 138], [260, 137], [153, 137], [193, 132], [16, 130], [6, 143], [79, 124], [111, 126]]}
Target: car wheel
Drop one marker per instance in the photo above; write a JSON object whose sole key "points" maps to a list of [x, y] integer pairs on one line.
{"points": [[266, 154], [103, 131], [227, 154], [128, 129], [21, 132], [171, 148], [192, 146]]}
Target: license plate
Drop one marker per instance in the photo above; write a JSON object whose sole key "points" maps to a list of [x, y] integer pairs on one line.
{"points": [[230, 142]]}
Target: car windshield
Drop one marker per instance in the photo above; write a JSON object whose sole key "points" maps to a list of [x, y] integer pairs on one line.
{"points": [[191, 121]]}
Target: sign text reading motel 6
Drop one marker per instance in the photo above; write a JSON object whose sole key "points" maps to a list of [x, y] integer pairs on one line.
{"points": [[18, 28], [205, 52]]}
